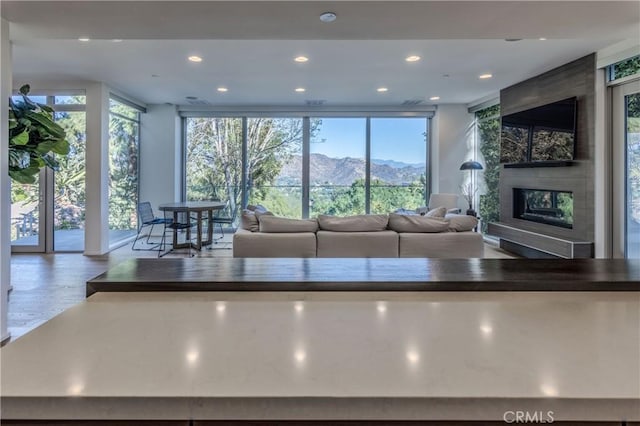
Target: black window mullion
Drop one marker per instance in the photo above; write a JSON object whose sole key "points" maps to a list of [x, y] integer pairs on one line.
{"points": [[367, 169]]}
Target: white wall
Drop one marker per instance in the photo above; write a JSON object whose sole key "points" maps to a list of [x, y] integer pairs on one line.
{"points": [[451, 145], [160, 155], [5, 191], [97, 166]]}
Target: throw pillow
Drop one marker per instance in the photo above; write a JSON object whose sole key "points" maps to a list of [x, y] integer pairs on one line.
{"points": [[437, 212], [359, 223], [461, 222], [274, 224], [260, 213], [249, 221], [417, 224]]}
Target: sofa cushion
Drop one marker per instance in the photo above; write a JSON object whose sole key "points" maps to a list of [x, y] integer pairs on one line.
{"points": [[259, 244], [274, 224], [358, 223], [451, 245], [406, 223], [357, 244], [461, 222]]}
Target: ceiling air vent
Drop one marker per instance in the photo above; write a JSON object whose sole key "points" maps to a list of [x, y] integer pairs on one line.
{"points": [[412, 102], [198, 102], [315, 102]]}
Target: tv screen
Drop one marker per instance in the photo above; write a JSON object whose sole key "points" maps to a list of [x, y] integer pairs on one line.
{"points": [[545, 133]]}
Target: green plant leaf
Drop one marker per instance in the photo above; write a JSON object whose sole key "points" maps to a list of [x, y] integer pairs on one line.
{"points": [[47, 123], [21, 139], [45, 147], [61, 147], [27, 176], [13, 123], [25, 89]]}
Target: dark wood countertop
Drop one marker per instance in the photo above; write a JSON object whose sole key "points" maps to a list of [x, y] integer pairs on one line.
{"points": [[284, 274]]}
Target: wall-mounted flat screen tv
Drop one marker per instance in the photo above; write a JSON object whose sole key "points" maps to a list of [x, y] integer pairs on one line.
{"points": [[546, 133]]}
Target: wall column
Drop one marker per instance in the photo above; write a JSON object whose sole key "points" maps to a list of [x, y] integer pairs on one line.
{"points": [[160, 155], [452, 143], [5, 184], [97, 166]]}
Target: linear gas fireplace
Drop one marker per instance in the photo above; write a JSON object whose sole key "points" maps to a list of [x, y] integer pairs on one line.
{"points": [[544, 206]]}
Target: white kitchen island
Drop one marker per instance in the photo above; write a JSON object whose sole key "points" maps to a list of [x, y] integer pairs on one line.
{"points": [[330, 356]]}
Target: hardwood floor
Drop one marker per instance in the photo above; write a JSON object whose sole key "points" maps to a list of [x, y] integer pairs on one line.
{"points": [[45, 285]]}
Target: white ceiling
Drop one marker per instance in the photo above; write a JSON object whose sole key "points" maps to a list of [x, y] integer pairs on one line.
{"points": [[249, 47]]}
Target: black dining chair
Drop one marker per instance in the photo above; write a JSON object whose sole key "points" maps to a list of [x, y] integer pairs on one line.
{"points": [[182, 224], [147, 218], [227, 216]]}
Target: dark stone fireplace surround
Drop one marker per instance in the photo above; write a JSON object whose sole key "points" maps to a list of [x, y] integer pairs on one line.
{"points": [[577, 79]]}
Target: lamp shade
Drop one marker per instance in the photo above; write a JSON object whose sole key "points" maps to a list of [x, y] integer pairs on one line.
{"points": [[471, 165]]}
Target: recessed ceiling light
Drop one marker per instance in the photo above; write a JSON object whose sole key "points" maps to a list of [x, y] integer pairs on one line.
{"points": [[222, 89], [412, 58], [328, 17], [301, 59], [195, 58], [485, 76], [116, 40], [434, 98], [300, 89], [542, 39], [382, 89], [85, 39], [512, 39], [191, 98], [155, 75]]}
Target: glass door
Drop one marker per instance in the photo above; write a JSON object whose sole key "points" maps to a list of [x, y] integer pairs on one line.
{"points": [[626, 167], [49, 214], [27, 215]]}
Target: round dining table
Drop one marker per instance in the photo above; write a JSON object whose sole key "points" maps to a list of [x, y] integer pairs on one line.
{"points": [[199, 208]]}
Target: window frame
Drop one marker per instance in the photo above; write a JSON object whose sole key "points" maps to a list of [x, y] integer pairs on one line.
{"points": [[306, 116]]}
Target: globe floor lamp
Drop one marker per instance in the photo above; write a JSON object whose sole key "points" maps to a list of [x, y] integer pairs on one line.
{"points": [[470, 191]]}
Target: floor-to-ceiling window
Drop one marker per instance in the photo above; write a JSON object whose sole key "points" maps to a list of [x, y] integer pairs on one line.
{"points": [[124, 148], [274, 164], [345, 165], [488, 144], [624, 79], [398, 164], [337, 164], [632, 171], [213, 155], [58, 197]]}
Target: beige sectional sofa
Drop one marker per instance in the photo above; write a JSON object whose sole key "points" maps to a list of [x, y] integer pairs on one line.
{"points": [[332, 237]]}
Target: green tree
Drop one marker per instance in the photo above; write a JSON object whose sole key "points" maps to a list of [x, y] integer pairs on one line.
{"points": [[214, 157], [488, 128], [123, 166], [625, 68]]}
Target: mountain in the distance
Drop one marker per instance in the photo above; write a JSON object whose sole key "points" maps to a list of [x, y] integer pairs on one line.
{"points": [[397, 164], [343, 171]]}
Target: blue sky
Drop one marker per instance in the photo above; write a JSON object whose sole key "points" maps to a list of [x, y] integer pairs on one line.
{"points": [[398, 139]]}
